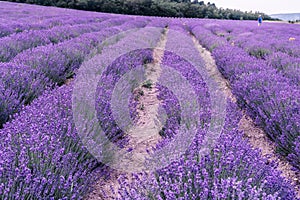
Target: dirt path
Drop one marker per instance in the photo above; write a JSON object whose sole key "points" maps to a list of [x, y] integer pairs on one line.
{"points": [[256, 136], [146, 132]]}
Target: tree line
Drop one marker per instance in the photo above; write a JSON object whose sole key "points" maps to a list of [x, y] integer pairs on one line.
{"points": [[164, 8]]}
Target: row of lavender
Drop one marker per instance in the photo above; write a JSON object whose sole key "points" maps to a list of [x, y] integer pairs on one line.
{"points": [[270, 97], [231, 170], [280, 51], [15, 44], [42, 154], [34, 70], [17, 18]]}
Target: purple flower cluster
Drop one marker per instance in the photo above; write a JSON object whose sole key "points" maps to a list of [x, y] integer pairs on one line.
{"points": [[171, 106], [41, 154], [281, 50], [106, 86], [193, 77], [264, 84], [59, 61], [158, 22], [45, 66], [288, 65], [233, 170], [14, 44], [19, 85], [16, 18]]}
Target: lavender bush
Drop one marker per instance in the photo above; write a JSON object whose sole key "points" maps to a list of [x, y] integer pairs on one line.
{"points": [[233, 170], [41, 154], [19, 86], [107, 84]]}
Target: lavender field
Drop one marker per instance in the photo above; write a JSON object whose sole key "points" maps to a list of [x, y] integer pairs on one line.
{"points": [[106, 106]]}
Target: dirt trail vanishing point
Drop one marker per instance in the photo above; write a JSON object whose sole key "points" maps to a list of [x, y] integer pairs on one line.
{"points": [[146, 132], [256, 136]]}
